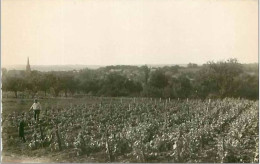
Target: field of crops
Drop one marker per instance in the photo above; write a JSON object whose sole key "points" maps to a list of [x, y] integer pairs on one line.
{"points": [[141, 130]]}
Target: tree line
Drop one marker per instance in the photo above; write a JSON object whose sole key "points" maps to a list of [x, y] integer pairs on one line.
{"points": [[211, 80]]}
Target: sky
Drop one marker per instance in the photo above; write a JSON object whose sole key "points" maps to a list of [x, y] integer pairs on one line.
{"points": [[128, 32]]}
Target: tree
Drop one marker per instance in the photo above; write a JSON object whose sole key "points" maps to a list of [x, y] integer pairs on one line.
{"points": [[56, 82], [158, 79], [118, 85], [13, 84], [88, 81], [33, 82], [4, 72], [45, 83], [68, 83], [219, 78], [146, 72], [248, 86], [133, 87], [185, 87], [114, 85]]}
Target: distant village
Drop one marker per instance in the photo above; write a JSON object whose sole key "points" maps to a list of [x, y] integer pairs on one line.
{"points": [[129, 70]]}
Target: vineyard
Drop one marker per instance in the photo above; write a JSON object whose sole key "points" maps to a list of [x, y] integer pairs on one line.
{"points": [[140, 130]]}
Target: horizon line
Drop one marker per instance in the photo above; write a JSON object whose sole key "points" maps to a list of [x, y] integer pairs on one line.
{"points": [[118, 64]]}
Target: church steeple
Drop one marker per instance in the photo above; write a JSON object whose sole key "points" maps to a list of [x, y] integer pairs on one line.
{"points": [[28, 67]]}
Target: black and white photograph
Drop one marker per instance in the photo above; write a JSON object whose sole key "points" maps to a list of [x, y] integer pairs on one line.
{"points": [[129, 81]]}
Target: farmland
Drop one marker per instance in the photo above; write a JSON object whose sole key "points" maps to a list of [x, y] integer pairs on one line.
{"points": [[98, 129]]}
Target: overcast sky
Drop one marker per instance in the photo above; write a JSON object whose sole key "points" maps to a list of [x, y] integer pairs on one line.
{"points": [[109, 32]]}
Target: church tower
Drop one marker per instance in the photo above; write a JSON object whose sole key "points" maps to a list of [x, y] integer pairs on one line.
{"points": [[28, 67]]}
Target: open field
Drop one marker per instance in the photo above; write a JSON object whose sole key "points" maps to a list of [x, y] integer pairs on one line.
{"points": [[132, 130]]}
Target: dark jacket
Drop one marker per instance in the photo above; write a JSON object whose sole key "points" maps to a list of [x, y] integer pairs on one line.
{"points": [[21, 128]]}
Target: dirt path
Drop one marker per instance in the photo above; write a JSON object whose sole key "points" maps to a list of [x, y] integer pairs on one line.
{"points": [[55, 157], [24, 159]]}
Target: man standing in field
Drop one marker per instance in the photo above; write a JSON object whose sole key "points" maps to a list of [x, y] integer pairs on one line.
{"points": [[36, 108]]}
